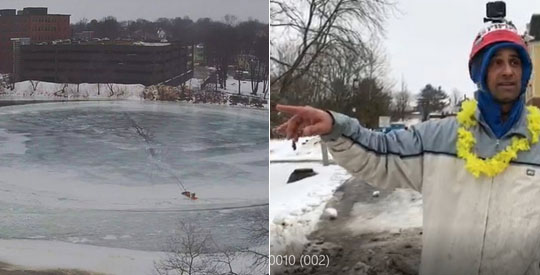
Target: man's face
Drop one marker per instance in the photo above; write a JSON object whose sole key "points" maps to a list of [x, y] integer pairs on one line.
{"points": [[504, 75]]}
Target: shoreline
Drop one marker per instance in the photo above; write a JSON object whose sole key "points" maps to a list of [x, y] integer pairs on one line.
{"points": [[40, 257], [12, 101], [8, 269]]}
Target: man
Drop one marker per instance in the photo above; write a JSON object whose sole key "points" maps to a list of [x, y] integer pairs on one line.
{"points": [[479, 173]]}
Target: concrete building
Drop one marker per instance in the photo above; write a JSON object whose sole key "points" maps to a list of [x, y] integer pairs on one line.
{"points": [[33, 23], [84, 35]]}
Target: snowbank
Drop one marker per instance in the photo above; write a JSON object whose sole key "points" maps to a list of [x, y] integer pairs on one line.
{"points": [[40, 255], [47, 90], [194, 83], [296, 208], [401, 209], [245, 87]]}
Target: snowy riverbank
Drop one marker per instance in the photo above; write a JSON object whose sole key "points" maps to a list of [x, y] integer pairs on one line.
{"points": [[296, 208]]}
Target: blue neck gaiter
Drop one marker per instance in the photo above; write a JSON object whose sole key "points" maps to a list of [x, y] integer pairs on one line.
{"points": [[492, 113]]}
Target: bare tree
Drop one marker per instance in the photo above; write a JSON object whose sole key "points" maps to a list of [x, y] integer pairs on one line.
{"points": [[230, 20], [254, 72], [401, 102], [332, 75], [259, 72], [63, 91], [265, 87], [193, 250], [121, 91], [111, 89], [255, 231], [224, 259], [186, 252], [34, 84], [11, 82], [455, 98], [285, 53], [335, 72], [322, 26]]}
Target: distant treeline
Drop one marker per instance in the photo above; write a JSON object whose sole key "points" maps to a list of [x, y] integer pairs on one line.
{"points": [[223, 41], [231, 36]]}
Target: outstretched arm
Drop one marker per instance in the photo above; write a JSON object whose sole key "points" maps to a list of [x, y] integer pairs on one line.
{"points": [[383, 160]]}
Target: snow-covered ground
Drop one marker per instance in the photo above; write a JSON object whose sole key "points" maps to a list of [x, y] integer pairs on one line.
{"points": [[194, 83], [202, 72], [41, 255], [308, 149], [40, 90], [245, 87], [232, 86], [399, 210], [109, 174], [296, 208]]}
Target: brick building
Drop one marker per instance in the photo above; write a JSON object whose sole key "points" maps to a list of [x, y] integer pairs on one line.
{"points": [[106, 62], [33, 23]]}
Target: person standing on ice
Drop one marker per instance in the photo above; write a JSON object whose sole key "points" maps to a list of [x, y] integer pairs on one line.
{"points": [[479, 172]]}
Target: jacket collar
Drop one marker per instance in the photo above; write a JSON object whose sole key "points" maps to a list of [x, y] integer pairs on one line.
{"points": [[519, 128]]}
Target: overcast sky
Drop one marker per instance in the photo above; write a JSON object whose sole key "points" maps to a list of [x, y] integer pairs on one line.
{"points": [[148, 9], [431, 40]]}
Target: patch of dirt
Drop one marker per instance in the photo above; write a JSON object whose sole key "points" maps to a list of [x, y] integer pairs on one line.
{"points": [[386, 253]]}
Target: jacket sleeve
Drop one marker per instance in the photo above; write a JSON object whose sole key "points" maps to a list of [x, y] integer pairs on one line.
{"points": [[388, 161]]}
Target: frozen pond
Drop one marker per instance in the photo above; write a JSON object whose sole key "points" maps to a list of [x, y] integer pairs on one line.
{"points": [[111, 173]]}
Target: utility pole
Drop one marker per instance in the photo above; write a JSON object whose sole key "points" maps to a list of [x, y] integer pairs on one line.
{"points": [[324, 150]]}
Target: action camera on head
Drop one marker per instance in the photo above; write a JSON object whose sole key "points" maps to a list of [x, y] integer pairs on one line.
{"points": [[495, 12]]}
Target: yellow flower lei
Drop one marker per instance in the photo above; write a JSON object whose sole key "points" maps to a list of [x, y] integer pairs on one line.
{"points": [[498, 163]]}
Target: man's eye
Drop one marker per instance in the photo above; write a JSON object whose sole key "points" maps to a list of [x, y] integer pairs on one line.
{"points": [[516, 62]]}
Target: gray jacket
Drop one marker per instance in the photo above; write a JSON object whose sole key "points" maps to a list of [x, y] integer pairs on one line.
{"points": [[471, 225]]}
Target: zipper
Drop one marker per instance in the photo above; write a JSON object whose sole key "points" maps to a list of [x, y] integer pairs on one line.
{"points": [[485, 226]]}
